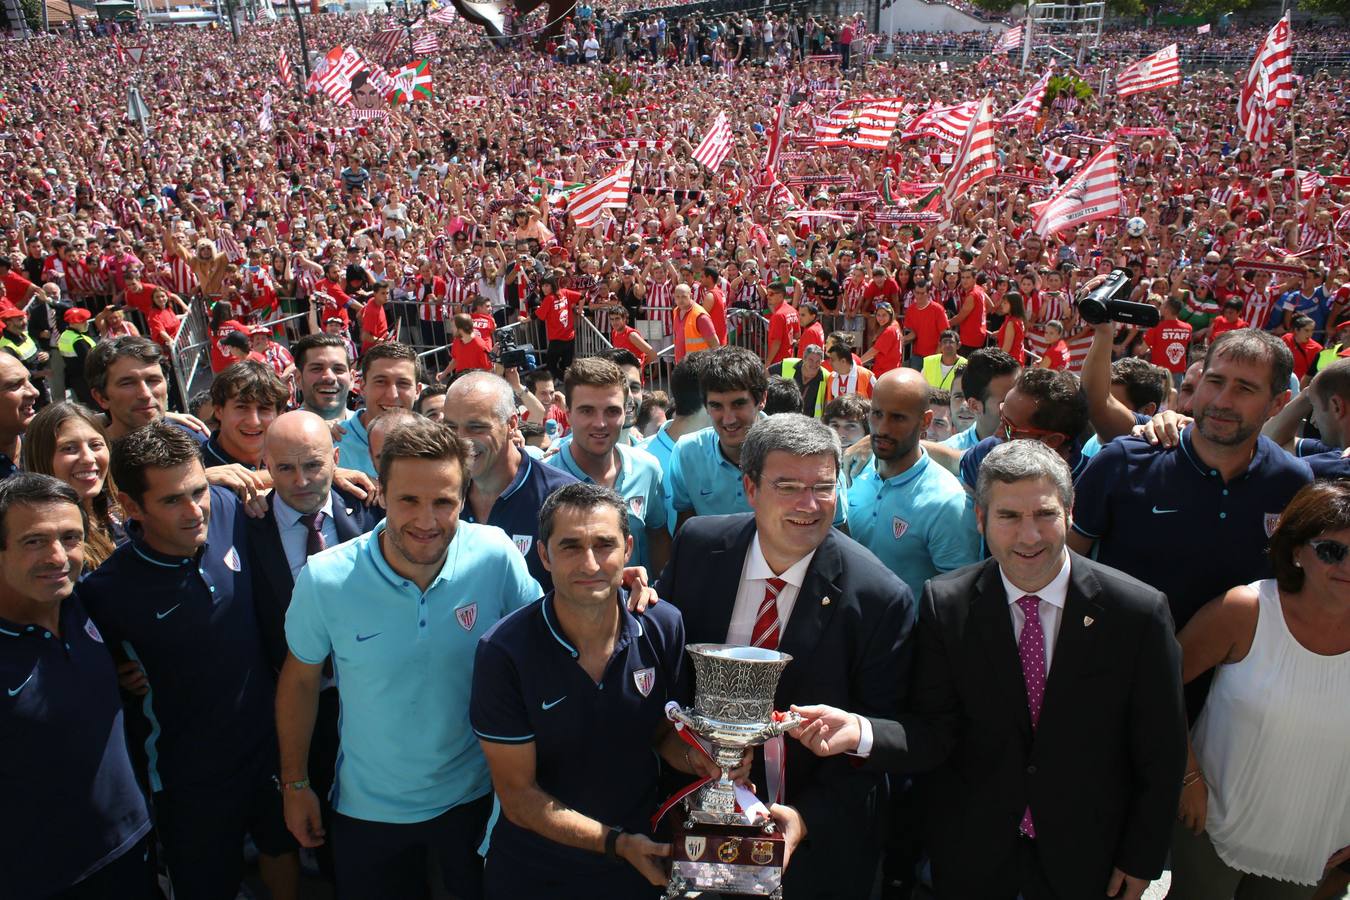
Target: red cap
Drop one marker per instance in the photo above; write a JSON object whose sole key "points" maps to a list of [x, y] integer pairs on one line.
{"points": [[77, 315], [258, 329], [12, 313]]}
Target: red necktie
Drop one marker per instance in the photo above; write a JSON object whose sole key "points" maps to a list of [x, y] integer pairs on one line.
{"points": [[1031, 649], [766, 631]]}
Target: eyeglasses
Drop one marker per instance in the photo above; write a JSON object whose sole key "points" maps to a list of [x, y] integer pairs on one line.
{"points": [[1332, 553], [792, 490], [1012, 432]]}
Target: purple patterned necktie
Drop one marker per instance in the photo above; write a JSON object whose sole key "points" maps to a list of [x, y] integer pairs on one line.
{"points": [[314, 541], [1031, 649]]}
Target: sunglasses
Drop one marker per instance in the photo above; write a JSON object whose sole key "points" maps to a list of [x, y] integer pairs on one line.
{"points": [[1332, 553]]}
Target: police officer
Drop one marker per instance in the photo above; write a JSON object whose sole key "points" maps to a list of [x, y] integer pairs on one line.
{"points": [[75, 824], [74, 345], [178, 599], [568, 703]]}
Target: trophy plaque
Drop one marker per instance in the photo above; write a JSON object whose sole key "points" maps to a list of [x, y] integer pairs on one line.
{"points": [[715, 846]]}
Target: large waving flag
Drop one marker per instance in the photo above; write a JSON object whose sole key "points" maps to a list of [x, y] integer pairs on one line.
{"points": [[1093, 193], [335, 72], [716, 144], [1009, 40], [1268, 86], [867, 124], [1153, 72], [1029, 107], [1059, 162], [977, 158], [284, 69], [946, 123], [611, 191]]}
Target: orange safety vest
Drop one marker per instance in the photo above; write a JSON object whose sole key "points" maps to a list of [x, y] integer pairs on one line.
{"points": [[694, 341]]}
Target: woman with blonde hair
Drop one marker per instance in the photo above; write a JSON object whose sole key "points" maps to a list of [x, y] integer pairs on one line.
{"points": [[69, 442]]}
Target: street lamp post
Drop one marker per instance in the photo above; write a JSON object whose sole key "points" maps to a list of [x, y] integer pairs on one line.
{"points": [[304, 45]]}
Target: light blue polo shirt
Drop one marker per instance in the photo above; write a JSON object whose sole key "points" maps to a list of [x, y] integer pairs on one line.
{"points": [[917, 523], [703, 480], [661, 446], [641, 486], [963, 441], [403, 661], [355, 447]]}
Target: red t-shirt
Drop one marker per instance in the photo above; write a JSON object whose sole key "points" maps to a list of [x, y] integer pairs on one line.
{"points": [[140, 300], [784, 328], [16, 288], [1019, 332], [814, 334], [374, 325], [471, 354], [1220, 325], [220, 360], [872, 294], [1303, 355], [973, 329], [556, 310], [484, 326], [888, 346], [716, 306], [1058, 355], [338, 305], [927, 324], [622, 339], [162, 325], [1167, 342]]}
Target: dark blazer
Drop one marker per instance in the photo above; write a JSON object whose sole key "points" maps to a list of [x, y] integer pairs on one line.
{"points": [[1101, 773], [272, 582], [847, 636]]}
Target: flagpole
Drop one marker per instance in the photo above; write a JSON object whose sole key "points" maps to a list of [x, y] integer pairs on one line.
{"points": [[1293, 138], [1026, 36], [304, 47]]}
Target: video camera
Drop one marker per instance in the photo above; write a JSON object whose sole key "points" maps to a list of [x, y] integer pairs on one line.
{"points": [[1105, 303], [510, 355]]}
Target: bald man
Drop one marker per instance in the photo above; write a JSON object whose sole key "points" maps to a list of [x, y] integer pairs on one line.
{"points": [[911, 512], [305, 514]]}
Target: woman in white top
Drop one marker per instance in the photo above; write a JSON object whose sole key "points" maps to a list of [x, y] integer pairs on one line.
{"points": [[1265, 803]]}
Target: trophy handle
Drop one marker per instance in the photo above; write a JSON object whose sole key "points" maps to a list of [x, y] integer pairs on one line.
{"points": [[782, 723], [676, 713]]}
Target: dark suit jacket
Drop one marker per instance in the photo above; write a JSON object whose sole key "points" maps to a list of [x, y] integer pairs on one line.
{"points": [[272, 582], [851, 652], [1102, 771]]}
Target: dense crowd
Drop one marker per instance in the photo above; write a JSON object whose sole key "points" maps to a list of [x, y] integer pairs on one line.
{"points": [[812, 406]]}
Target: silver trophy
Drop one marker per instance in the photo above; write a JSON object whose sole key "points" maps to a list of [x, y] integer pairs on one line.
{"points": [[717, 847]]}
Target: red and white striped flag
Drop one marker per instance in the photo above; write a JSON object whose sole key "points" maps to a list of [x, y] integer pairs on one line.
{"points": [[585, 205], [284, 69], [1092, 193], [426, 42], [443, 16], [1009, 40], [1307, 181], [781, 195], [1029, 107], [1058, 162], [1268, 86], [386, 42], [1203, 29], [716, 144], [867, 125], [1155, 71], [335, 77], [229, 246], [946, 123], [777, 136], [977, 158]]}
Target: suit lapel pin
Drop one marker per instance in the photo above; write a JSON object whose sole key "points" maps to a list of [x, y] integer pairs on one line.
{"points": [[1087, 621], [349, 512], [824, 601]]}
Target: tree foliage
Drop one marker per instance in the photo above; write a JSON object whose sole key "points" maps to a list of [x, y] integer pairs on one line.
{"points": [[1067, 85]]}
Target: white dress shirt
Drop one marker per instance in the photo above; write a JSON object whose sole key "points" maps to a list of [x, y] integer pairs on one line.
{"points": [[1053, 597], [754, 575], [294, 534]]}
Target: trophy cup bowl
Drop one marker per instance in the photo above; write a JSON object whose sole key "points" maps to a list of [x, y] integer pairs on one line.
{"points": [[733, 710]]}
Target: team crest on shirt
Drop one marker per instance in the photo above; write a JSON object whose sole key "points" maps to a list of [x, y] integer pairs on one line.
{"points": [[898, 527], [637, 505], [523, 543], [467, 616], [91, 630], [695, 846], [645, 679], [232, 560], [1272, 519]]}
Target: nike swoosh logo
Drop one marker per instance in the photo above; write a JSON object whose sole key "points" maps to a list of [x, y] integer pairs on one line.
{"points": [[705, 492], [365, 637], [15, 691], [554, 703], [160, 615], [1160, 512]]}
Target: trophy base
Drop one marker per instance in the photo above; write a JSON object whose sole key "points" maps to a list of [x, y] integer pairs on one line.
{"points": [[726, 859]]}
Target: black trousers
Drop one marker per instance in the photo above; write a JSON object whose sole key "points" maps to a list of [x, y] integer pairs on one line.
{"points": [[129, 877], [559, 356], [387, 859]]}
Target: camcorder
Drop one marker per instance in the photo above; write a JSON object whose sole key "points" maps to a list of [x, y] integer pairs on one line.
{"points": [[510, 355], [1106, 303]]}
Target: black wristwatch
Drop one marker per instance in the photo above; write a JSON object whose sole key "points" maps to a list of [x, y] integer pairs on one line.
{"points": [[612, 842]]}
